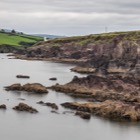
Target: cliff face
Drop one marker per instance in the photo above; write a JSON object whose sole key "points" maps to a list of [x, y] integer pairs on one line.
{"points": [[6, 49], [113, 52]]}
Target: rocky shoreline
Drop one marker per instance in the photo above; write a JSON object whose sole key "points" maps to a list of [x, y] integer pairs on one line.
{"points": [[111, 61]]}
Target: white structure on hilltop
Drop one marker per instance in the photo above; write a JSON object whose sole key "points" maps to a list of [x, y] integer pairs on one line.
{"points": [[45, 39]]}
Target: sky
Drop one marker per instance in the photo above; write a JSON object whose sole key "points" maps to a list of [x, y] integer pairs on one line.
{"points": [[70, 17]]}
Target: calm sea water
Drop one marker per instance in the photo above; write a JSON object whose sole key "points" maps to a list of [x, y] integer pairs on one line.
{"points": [[47, 125]]}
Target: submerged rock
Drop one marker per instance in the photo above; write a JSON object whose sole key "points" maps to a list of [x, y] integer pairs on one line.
{"points": [[41, 102], [83, 115], [25, 107], [53, 79], [34, 87], [23, 76], [52, 105]]}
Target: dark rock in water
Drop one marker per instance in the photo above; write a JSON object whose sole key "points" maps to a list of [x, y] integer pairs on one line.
{"points": [[114, 110], [41, 102], [34, 87], [25, 107], [14, 87], [53, 111], [53, 79], [21, 99], [74, 106], [83, 115], [3, 106], [68, 112], [23, 76], [52, 105]]}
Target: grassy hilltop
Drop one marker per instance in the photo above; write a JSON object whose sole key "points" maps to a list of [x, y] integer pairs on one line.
{"points": [[17, 41]]}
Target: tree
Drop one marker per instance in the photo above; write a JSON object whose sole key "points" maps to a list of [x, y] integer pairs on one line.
{"points": [[13, 31], [2, 30]]}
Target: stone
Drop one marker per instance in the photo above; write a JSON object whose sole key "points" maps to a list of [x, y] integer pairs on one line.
{"points": [[25, 107], [53, 79], [3, 106], [52, 105], [83, 115], [23, 76]]}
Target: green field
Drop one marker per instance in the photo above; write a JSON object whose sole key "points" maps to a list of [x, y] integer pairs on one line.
{"points": [[18, 40]]}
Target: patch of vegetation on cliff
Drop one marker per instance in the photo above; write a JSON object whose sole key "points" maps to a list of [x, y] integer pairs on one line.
{"points": [[99, 38], [18, 41]]}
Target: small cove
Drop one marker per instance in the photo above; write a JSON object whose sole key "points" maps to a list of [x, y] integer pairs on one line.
{"points": [[47, 125]]}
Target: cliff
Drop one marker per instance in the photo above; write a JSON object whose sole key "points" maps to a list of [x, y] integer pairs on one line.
{"points": [[112, 89], [111, 52]]}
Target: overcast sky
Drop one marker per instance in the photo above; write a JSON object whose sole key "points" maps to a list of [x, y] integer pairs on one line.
{"points": [[69, 17]]}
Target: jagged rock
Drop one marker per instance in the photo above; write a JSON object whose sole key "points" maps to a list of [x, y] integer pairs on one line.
{"points": [[34, 87], [102, 88], [14, 87], [115, 110], [23, 76], [84, 70], [83, 115], [52, 105], [3, 106], [25, 107]]}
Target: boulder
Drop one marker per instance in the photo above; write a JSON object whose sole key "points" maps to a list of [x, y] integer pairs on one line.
{"points": [[25, 107], [3, 106], [35, 87], [14, 87]]}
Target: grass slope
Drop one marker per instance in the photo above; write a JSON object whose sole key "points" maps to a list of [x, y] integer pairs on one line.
{"points": [[18, 40], [99, 38]]}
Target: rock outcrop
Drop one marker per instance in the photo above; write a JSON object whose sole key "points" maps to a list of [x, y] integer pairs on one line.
{"points": [[102, 88], [34, 87], [84, 115], [25, 107], [106, 53], [52, 105], [114, 110]]}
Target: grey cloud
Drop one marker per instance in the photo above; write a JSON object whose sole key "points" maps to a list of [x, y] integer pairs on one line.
{"points": [[69, 17]]}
